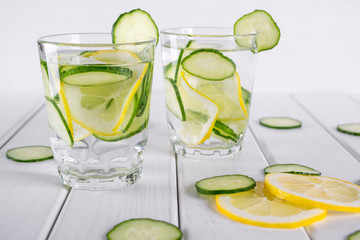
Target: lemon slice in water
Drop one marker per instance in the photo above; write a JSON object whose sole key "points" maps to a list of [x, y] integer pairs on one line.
{"points": [[97, 104], [226, 94], [201, 113]]}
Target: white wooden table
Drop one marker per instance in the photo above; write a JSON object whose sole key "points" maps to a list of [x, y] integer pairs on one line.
{"points": [[34, 205]]}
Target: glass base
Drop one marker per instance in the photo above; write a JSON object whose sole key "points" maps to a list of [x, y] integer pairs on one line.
{"points": [[206, 153], [104, 183], [93, 164]]}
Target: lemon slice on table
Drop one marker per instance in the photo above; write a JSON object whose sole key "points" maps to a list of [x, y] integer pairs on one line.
{"points": [[260, 208], [99, 97], [226, 94], [201, 113], [317, 191]]}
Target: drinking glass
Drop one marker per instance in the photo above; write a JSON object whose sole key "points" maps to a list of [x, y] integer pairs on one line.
{"points": [[97, 96], [208, 81]]}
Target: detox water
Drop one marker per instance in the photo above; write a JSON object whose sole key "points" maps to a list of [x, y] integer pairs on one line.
{"points": [[98, 104]]}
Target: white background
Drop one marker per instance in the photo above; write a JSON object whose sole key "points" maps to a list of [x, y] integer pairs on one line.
{"points": [[319, 49]]}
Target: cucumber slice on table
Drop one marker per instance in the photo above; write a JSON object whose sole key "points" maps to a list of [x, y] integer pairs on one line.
{"points": [[354, 236], [136, 25], [144, 228], [200, 63], [225, 184], [280, 122], [349, 128], [292, 168], [30, 153], [261, 22], [95, 75]]}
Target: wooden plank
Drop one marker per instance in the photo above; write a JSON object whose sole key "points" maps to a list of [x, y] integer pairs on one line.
{"points": [[90, 215], [310, 145], [30, 193], [17, 107], [331, 110], [199, 218]]}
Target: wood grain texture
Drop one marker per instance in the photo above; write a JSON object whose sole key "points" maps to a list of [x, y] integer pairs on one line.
{"points": [[90, 215], [199, 218], [31, 194], [311, 145]]}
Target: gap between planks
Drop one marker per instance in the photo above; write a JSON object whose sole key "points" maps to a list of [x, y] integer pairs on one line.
{"points": [[354, 154]]}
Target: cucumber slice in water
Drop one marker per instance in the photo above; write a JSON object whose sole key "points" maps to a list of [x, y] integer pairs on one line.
{"points": [[222, 130], [30, 153], [349, 128], [95, 75], [261, 22], [225, 184], [354, 236], [172, 93], [136, 25], [144, 228], [45, 77], [280, 122], [292, 168], [57, 122], [200, 63]]}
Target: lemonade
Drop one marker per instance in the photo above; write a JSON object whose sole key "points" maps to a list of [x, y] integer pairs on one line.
{"points": [[98, 104], [208, 84]]}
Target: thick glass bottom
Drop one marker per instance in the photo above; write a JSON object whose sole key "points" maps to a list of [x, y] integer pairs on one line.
{"points": [[100, 183], [199, 152], [93, 164]]}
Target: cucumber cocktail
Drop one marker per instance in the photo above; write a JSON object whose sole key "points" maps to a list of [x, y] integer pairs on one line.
{"points": [[97, 93], [209, 75]]}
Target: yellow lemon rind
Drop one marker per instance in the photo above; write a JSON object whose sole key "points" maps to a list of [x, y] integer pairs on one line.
{"points": [[208, 133], [283, 224], [307, 201], [129, 98]]}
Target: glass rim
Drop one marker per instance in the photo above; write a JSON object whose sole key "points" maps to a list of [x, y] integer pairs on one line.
{"points": [[43, 40], [171, 31]]}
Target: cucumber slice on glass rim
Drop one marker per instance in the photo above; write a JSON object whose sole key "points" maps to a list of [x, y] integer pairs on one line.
{"points": [[30, 153], [349, 128], [291, 168], [134, 26], [260, 22], [225, 184], [144, 228], [280, 122]]}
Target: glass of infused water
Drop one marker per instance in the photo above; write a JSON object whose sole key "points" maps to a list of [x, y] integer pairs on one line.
{"points": [[208, 81], [97, 96]]}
